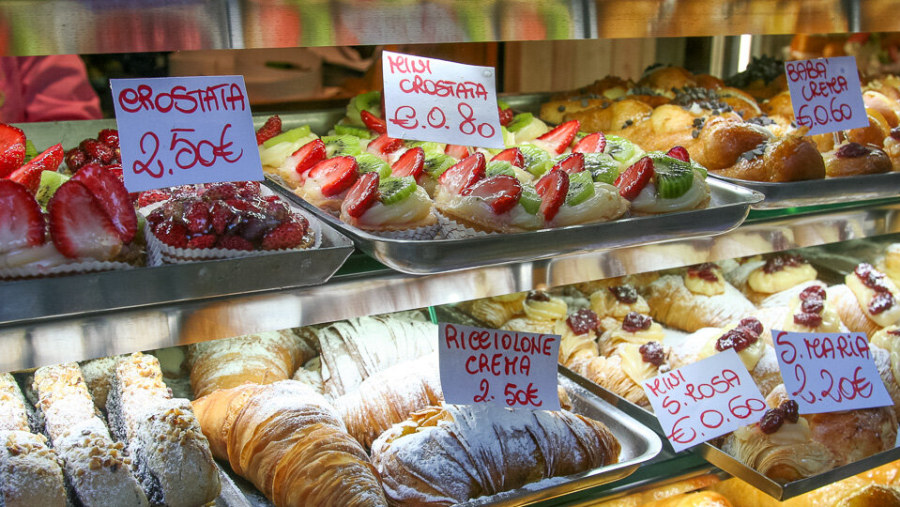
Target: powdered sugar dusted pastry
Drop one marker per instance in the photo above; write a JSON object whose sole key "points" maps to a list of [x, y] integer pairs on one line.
{"points": [[30, 473], [13, 413], [617, 301], [868, 300], [883, 349], [635, 328], [699, 297], [811, 312], [497, 310], [625, 368]]}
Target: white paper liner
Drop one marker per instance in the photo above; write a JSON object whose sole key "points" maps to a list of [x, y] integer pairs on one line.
{"points": [[451, 229], [69, 268]]}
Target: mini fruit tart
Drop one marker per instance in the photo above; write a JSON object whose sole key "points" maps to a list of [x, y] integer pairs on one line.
{"points": [[393, 206], [570, 196], [327, 182], [664, 182]]}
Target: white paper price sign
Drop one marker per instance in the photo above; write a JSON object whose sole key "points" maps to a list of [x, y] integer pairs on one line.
{"points": [[825, 94], [182, 130], [498, 367], [704, 400], [436, 100], [829, 372]]}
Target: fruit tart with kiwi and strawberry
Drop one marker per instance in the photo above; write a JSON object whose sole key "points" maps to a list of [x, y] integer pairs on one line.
{"points": [[224, 220], [664, 183], [90, 225], [394, 207]]}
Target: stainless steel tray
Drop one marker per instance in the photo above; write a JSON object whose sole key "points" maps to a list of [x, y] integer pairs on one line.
{"points": [[729, 206], [825, 191]]}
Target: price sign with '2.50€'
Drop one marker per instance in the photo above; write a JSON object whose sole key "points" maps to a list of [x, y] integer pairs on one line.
{"points": [[498, 367], [704, 400], [436, 100], [182, 130]]}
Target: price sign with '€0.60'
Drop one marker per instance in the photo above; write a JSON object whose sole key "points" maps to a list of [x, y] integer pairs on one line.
{"points": [[704, 400], [182, 130], [825, 94]]}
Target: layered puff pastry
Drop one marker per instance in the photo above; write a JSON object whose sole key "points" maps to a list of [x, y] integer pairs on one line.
{"points": [[760, 279], [625, 368], [695, 298], [867, 301], [450, 454], [497, 310]]}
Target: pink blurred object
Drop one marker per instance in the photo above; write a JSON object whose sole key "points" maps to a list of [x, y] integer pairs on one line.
{"points": [[46, 88]]}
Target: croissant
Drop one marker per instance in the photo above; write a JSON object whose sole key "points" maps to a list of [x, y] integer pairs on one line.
{"points": [[290, 443], [449, 454]]}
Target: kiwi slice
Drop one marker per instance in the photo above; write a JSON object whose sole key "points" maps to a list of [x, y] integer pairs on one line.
{"points": [[428, 146], [602, 167], [352, 130], [289, 136], [50, 181], [502, 104], [30, 150], [537, 161], [370, 163], [530, 200], [437, 163], [341, 145], [370, 101], [674, 177], [581, 188], [394, 190], [620, 149], [497, 167], [527, 130], [519, 121]]}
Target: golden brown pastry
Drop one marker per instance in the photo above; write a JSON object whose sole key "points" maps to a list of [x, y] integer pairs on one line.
{"points": [[698, 297], [542, 313], [617, 301], [787, 158], [495, 311], [667, 77], [579, 337], [635, 328], [555, 110], [885, 350], [625, 368], [867, 301], [662, 492], [812, 312], [890, 263], [280, 436], [887, 107], [761, 279], [698, 499], [450, 454], [855, 159], [611, 117]]}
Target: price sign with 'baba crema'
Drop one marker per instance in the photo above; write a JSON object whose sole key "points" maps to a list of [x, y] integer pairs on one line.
{"points": [[704, 400], [183, 130], [498, 367], [825, 94], [829, 372], [435, 100]]}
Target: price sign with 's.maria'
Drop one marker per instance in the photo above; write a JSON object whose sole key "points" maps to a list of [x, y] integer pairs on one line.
{"points": [[825, 94], [435, 100], [829, 372], [704, 400], [498, 367], [183, 130]]}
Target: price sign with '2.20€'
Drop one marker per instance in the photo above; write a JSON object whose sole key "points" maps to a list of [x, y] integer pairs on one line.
{"points": [[497, 367], [182, 130], [829, 372], [704, 400], [436, 100]]}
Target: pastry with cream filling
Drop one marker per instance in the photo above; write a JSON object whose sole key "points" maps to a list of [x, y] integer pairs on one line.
{"points": [[617, 301], [497, 310], [812, 312], [760, 279], [635, 328], [625, 368], [392, 206], [867, 301]]}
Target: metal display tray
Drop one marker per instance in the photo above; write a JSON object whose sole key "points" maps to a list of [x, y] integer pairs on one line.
{"points": [[729, 206], [819, 192], [639, 444]]}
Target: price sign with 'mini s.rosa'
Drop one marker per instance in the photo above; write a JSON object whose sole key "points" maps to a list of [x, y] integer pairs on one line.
{"points": [[505, 368], [704, 400], [435, 100], [825, 94], [183, 130]]}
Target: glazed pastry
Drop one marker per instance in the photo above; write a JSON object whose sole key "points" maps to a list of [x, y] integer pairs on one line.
{"points": [[280, 435], [854, 159], [699, 297], [610, 116], [172, 459], [617, 301], [674, 185], [450, 454], [811, 312], [495, 311], [760, 279], [867, 301], [327, 182], [625, 368], [773, 159], [98, 468], [667, 490], [635, 328]]}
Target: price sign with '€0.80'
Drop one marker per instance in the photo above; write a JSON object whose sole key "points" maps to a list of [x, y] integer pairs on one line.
{"points": [[498, 367], [182, 130], [704, 400], [436, 100]]}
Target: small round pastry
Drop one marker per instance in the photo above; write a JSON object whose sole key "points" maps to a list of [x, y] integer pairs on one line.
{"points": [[617, 301], [396, 207], [674, 185], [811, 312], [888, 108], [779, 105], [327, 182], [892, 147], [867, 301], [667, 77], [854, 159], [635, 328], [623, 371], [788, 158], [555, 111], [573, 199], [612, 116]]}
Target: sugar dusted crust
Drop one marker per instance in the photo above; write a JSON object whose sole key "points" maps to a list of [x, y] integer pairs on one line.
{"points": [[672, 304]]}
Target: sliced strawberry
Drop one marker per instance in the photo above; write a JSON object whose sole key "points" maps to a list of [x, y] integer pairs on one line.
{"points": [[512, 155], [506, 116], [336, 174], [21, 221], [558, 139], [552, 187], [362, 194], [411, 163], [457, 151], [502, 192], [635, 178], [79, 226], [459, 177], [112, 197], [591, 143], [307, 156], [30, 173], [679, 152], [383, 146], [12, 149], [572, 164], [270, 129], [373, 122]]}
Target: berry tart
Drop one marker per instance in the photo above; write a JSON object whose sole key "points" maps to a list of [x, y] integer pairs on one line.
{"points": [[394, 206], [224, 220]]}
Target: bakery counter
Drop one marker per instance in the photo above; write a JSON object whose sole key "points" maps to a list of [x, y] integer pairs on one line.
{"points": [[373, 289]]}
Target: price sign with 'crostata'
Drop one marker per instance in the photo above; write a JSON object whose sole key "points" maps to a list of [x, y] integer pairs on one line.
{"points": [[829, 372], [704, 400], [498, 367]]}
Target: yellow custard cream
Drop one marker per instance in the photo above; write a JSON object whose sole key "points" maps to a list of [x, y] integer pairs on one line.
{"points": [[552, 309], [633, 363], [783, 279], [703, 285], [414, 210]]}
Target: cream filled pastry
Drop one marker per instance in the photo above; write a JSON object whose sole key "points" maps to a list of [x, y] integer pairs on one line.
{"points": [[625, 368], [617, 301], [698, 297], [497, 310], [543, 313], [890, 264], [579, 337], [811, 312], [876, 294], [635, 328], [780, 272]]}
